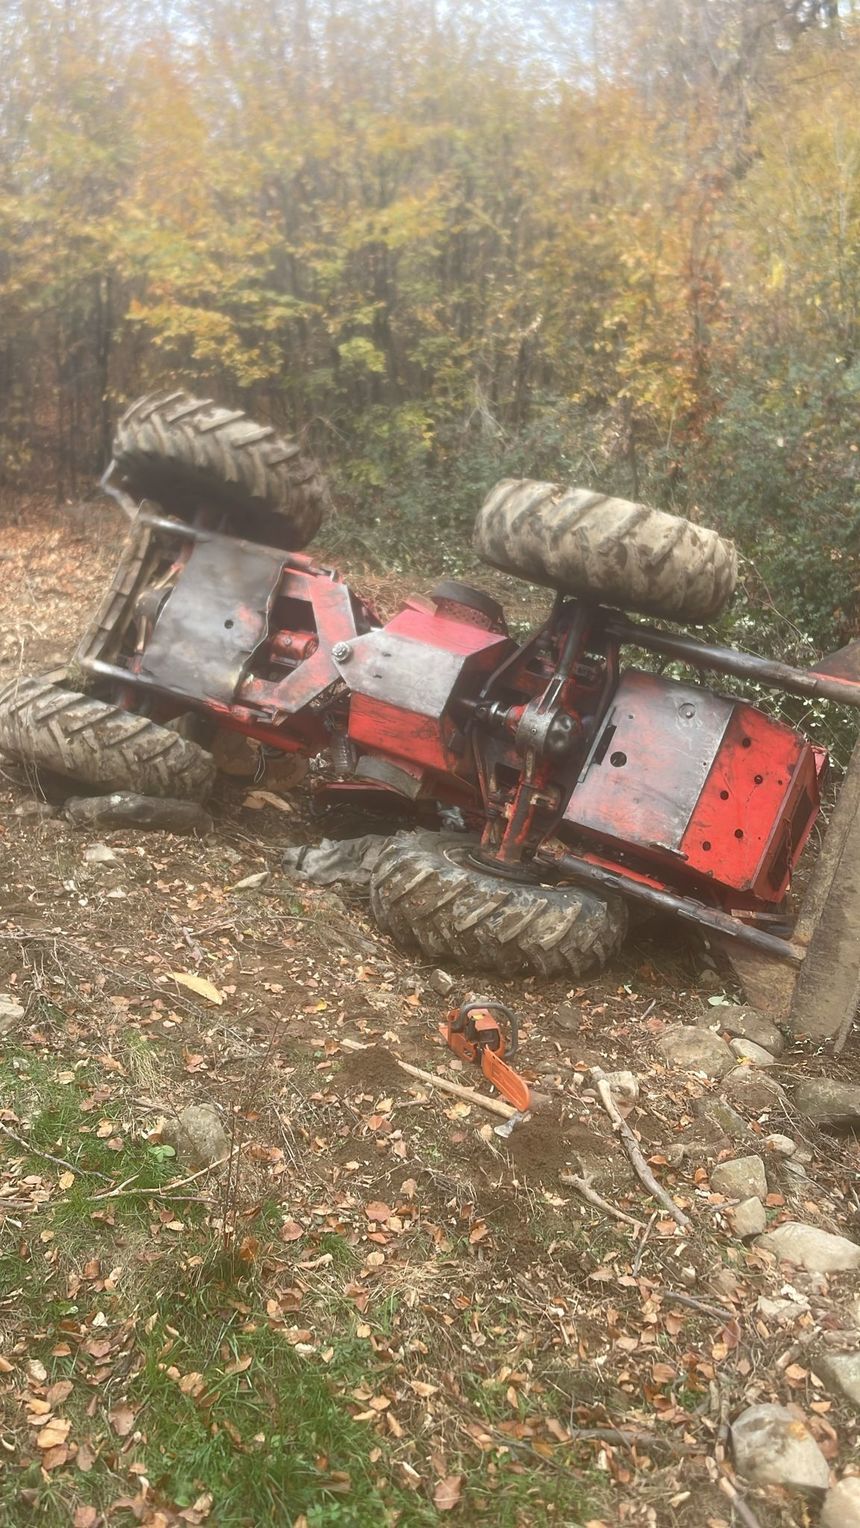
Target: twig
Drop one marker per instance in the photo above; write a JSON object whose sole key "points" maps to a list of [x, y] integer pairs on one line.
{"points": [[584, 1188], [166, 1188], [707, 1310], [472, 1096], [643, 1242], [730, 1490], [33, 1151], [640, 1166]]}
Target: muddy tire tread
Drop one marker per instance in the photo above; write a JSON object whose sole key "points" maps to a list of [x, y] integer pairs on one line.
{"points": [[98, 743]]}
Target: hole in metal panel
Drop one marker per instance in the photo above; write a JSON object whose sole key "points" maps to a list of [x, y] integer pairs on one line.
{"points": [[618, 760]]}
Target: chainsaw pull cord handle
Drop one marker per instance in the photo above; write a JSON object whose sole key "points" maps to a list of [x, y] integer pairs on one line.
{"points": [[459, 1022]]}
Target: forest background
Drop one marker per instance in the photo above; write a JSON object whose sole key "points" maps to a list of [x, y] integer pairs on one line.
{"points": [[609, 242]]}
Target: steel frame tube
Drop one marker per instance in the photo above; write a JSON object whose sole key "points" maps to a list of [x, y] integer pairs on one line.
{"points": [[666, 901], [730, 660]]}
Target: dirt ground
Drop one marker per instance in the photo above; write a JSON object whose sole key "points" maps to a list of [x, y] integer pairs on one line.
{"points": [[522, 1356]]}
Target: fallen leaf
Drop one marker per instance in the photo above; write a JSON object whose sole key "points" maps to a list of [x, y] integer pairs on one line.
{"points": [[122, 1420], [54, 1433], [85, 1517], [447, 1493], [65, 1180], [291, 1231], [257, 799], [198, 984], [377, 1210], [59, 1392]]}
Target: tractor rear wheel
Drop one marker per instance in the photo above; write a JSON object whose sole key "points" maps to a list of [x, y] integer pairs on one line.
{"points": [[99, 744], [425, 891], [607, 550], [186, 452]]}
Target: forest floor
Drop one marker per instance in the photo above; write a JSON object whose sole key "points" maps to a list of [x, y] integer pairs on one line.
{"points": [[378, 1310]]}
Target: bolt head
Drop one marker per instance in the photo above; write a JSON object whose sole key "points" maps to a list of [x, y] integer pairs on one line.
{"points": [[341, 652]]}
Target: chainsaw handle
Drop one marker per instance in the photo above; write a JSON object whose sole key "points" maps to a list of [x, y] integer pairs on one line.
{"points": [[458, 1023]]}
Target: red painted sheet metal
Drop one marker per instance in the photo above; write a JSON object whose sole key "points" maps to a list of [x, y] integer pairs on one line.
{"points": [[391, 731], [763, 781], [437, 630]]}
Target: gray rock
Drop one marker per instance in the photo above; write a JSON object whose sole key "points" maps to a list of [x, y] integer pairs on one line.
{"points": [[840, 1371], [753, 1090], [441, 982], [780, 1145], [754, 1055], [796, 1168], [749, 1024], [743, 1178], [811, 1248], [749, 1218], [11, 1013], [842, 1504], [773, 1446], [35, 811], [695, 1050], [100, 854], [720, 1114], [125, 809], [198, 1135], [781, 1312], [569, 1018], [624, 1086], [828, 1102]]}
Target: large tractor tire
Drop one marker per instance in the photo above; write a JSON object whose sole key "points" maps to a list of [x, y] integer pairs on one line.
{"points": [[99, 744], [607, 550], [185, 452], [425, 891]]}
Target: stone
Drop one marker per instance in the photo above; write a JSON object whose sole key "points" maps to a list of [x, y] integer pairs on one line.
{"points": [[720, 1114], [100, 854], [439, 981], [624, 1086], [710, 980], [35, 811], [752, 1054], [840, 1371], [780, 1145], [125, 809], [198, 1135], [749, 1218], [796, 1168], [11, 1013], [569, 1018], [752, 1089], [828, 1102], [690, 1049], [742, 1178], [749, 1024], [811, 1248], [842, 1504], [773, 1446], [781, 1312]]}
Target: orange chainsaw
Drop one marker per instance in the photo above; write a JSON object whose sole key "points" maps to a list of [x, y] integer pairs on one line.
{"points": [[474, 1033]]}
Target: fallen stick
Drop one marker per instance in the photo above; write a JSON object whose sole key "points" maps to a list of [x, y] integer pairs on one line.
{"points": [[33, 1151], [471, 1095], [165, 1188], [640, 1166], [730, 1490], [584, 1188]]}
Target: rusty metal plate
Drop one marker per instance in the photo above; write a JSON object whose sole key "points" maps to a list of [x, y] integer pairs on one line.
{"points": [[407, 674], [214, 619]]}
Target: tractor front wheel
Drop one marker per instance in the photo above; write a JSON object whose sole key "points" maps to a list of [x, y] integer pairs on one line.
{"points": [[189, 452], [98, 743], [426, 891]]}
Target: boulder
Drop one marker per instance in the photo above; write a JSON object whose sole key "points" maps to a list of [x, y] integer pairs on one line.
{"points": [[828, 1102], [198, 1135], [624, 1086], [125, 809], [781, 1312], [742, 1178], [842, 1504], [774, 1447], [691, 1049], [752, 1054], [749, 1218], [35, 811], [11, 1013], [749, 1024], [811, 1248], [719, 1114], [752, 1089], [780, 1145], [440, 982], [840, 1371]]}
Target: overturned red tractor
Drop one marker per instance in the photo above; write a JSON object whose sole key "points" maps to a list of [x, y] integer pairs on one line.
{"points": [[580, 784]]}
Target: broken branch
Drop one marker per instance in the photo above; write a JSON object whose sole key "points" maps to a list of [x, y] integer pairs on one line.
{"points": [[583, 1187], [640, 1166], [471, 1095]]}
